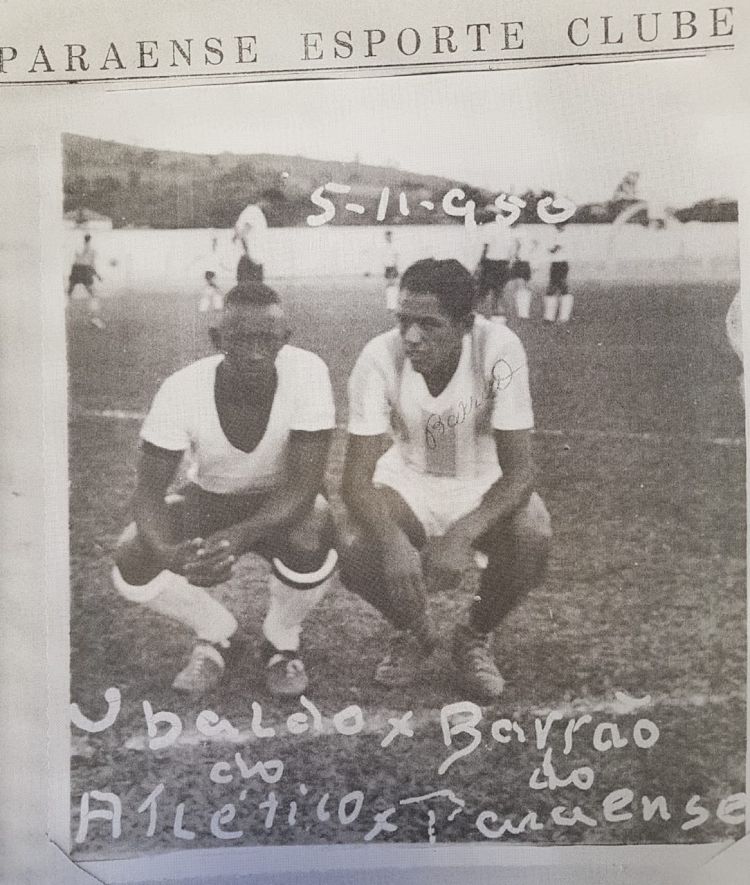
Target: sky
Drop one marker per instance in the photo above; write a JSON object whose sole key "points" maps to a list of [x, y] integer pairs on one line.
{"points": [[575, 129]]}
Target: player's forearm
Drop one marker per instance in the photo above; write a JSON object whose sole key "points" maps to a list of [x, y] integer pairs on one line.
{"points": [[151, 514], [500, 502]]}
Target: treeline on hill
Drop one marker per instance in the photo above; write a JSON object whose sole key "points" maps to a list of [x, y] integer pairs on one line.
{"points": [[142, 187]]}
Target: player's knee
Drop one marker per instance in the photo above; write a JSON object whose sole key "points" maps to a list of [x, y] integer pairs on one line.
{"points": [[133, 589], [532, 526], [311, 539]]}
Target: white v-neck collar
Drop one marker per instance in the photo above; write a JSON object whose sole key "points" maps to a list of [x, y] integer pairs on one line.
{"points": [[425, 390]]}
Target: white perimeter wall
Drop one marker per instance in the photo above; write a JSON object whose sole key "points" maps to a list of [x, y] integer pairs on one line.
{"points": [[682, 252]]}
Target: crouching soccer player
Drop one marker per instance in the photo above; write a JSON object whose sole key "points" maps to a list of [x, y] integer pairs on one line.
{"points": [[255, 422], [439, 460]]}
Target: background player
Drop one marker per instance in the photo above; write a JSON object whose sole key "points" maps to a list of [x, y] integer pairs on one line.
{"points": [[84, 273], [493, 271], [734, 334], [256, 423], [519, 285], [211, 306], [558, 302], [251, 232], [390, 272], [439, 459], [248, 271]]}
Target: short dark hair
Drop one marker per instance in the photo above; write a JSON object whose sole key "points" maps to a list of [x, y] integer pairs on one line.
{"points": [[447, 279], [251, 293]]}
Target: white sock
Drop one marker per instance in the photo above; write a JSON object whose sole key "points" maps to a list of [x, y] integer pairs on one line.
{"points": [[171, 595], [566, 308], [550, 308], [523, 302], [391, 297], [287, 609]]}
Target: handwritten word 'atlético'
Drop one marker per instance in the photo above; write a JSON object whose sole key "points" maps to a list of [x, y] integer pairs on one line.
{"points": [[507, 208]]}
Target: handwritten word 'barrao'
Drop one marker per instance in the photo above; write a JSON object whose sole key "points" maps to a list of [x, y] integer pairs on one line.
{"points": [[262, 796], [506, 208], [437, 424]]}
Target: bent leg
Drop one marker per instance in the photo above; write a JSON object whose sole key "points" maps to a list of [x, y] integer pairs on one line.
{"points": [[139, 578], [517, 551], [302, 566], [362, 566]]}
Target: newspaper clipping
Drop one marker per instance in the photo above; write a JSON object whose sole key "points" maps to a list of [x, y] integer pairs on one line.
{"points": [[405, 496]]}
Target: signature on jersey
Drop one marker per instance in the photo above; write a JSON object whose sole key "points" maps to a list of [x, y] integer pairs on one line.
{"points": [[437, 425]]}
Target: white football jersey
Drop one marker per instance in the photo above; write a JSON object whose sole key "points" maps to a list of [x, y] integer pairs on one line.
{"points": [[734, 325], [499, 242], [183, 417], [450, 435]]}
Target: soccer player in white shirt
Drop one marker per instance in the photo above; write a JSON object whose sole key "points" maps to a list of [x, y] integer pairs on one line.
{"points": [[734, 334], [84, 273], [494, 271], [558, 302], [255, 423], [439, 459], [390, 272]]}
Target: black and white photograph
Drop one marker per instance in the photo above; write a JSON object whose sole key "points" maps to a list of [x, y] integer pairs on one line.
{"points": [[407, 463]]}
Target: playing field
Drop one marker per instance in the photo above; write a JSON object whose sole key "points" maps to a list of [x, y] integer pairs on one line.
{"points": [[641, 462]]}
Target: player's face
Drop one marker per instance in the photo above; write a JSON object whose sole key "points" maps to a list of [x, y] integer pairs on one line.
{"points": [[432, 338], [251, 338]]}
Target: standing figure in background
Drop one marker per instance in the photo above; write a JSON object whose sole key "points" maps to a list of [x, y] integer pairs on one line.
{"points": [[558, 302], [493, 272], [734, 334], [390, 273], [520, 274], [250, 230], [84, 273], [211, 307], [248, 271]]}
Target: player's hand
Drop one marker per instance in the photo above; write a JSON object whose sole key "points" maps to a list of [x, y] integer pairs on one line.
{"points": [[203, 563], [402, 566], [448, 559]]}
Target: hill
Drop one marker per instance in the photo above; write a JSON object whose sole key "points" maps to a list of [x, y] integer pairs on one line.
{"points": [[143, 187]]}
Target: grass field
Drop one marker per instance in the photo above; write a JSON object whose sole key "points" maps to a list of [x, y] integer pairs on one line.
{"points": [[641, 463]]}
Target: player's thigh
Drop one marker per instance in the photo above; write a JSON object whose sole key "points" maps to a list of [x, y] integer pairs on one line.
{"points": [[529, 529], [357, 542]]}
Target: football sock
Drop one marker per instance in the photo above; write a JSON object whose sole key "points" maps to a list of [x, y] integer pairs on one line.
{"points": [[291, 598], [523, 302], [566, 308], [171, 595], [287, 609], [550, 308]]}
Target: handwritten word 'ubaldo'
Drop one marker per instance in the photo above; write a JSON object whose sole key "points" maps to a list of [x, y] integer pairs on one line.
{"points": [[462, 718], [507, 208]]}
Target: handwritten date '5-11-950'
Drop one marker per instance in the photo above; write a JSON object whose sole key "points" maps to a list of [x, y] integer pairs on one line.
{"points": [[507, 208]]}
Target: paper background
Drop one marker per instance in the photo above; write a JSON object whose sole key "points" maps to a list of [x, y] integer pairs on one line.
{"points": [[34, 535]]}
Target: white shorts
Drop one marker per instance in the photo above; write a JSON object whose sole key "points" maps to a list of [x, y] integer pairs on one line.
{"points": [[436, 501]]}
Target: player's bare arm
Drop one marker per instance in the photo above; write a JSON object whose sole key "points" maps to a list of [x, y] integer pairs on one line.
{"points": [[402, 564], [201, 566], [307, 456], [453, 553]]}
